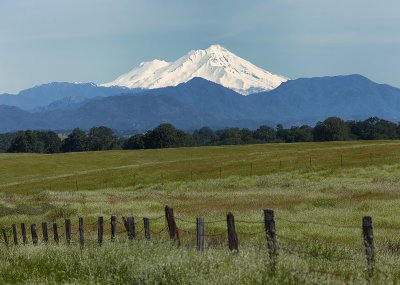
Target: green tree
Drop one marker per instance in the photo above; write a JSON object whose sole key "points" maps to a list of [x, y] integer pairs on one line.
{"points": [[76, 141], [7, 139], [101, 138], [204, 136], [163, 136], [52, 142], [265, 134], [377, 129], [332, 129], [230, 136], [246, 136], [134, 142], [27, 141]]}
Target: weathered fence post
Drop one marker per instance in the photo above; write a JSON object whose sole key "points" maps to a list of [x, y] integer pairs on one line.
{"points": [[113, 227], [131, 227], [68, 231], [34, 234], [369, 244], [15, 237], [55, 233], [200, 234], [146, 225], [45, 232], [169, 216], [81, 233], [172, 228], [100, 228], [23, 233], [270, 232], [232, 236], [5, 237]]}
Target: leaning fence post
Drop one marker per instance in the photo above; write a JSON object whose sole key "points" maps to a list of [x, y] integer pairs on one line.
{"points": [[55, 233], [146, 225], [34, 234], [200, 234], [270, 232], [68, 231], [14, 230], [113, 227], [23, 233], [81, 233], [100, 227], [45, 232], [232, 236], [172, 228], [5, 237], [369, 244]]}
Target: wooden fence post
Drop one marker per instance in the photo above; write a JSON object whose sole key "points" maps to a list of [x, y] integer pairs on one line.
{"points": [[232, 236], [169, 216], [14, 230], [369, 244], [146, 225], [100, 229], [5, 237], [113, 227], [81, 233], [270, 232], [23, 233], [55, 233], [200, 234], [45, 232], [131, 227], [34, 234], [172, 228], [68, 231]]}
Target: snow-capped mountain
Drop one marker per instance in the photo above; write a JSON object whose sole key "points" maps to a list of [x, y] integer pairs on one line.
{"points": [[215, 64]]}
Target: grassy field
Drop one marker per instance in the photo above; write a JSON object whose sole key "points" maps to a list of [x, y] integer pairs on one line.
{"points": [[329, 185]]}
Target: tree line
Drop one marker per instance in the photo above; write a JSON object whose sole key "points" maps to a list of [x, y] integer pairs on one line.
{"points": [[166, 136]]}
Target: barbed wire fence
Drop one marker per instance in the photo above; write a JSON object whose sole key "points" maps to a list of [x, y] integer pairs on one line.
{"points": [[165, 227]]}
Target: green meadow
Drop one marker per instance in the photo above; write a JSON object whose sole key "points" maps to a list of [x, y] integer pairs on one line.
{"points": [[319, 192]]}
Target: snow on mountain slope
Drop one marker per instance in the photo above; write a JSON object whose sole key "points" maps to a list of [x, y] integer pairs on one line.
{"points": [[215, 64]]}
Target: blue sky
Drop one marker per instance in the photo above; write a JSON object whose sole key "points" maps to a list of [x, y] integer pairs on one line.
{"points": [[97, 40]]}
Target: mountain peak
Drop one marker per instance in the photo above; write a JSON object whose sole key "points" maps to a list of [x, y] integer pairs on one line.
{"points": [[216, 48], [216, 64]]}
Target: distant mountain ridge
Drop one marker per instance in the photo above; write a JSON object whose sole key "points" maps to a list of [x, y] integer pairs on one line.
{"points": [[42, 95], [200, 102], [215, 64]]}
